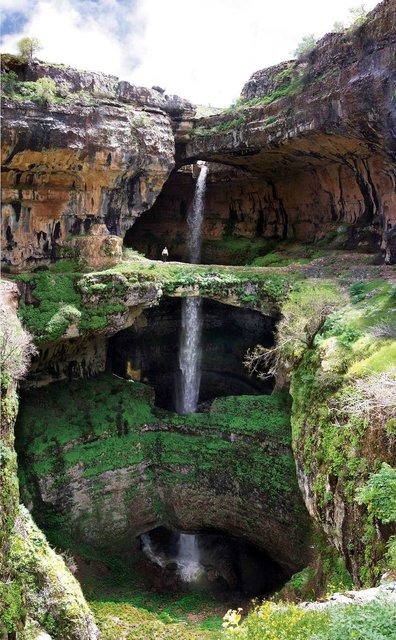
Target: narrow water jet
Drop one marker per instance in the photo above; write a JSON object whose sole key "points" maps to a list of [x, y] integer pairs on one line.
{"points": [[190, 339], [188, 557]]}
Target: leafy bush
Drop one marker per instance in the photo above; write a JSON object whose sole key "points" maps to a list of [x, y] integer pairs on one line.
{"points": [[45, 91], [9, 82], [16, 347], [28, 47], [304, 314], [357, 15], [306, 45], [373, 621], [379, 494]]}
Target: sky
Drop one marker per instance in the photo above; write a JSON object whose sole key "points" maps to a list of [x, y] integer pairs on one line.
{"points": [[203, 51]]}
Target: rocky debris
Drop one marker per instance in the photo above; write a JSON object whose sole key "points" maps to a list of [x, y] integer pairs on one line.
{"points": [[385, 592]]}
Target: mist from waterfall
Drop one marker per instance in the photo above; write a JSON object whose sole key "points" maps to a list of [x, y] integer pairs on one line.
{"points": [[148, 550], [190, 339]]}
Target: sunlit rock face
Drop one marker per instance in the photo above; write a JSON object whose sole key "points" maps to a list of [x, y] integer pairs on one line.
{"points": [[102, 158], [318, 135], [313, 148]]}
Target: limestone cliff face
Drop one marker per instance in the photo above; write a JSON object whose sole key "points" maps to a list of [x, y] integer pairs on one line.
{"points": [[131, 467], [100, 156], [312, 143], [37, 591], [319, 134]]}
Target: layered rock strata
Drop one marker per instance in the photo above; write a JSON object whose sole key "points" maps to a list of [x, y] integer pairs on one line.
{"points": [[99, 155], [320, 134], [113, 474]]}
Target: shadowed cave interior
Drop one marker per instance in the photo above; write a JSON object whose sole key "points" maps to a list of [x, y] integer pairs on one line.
{"points": [[226, 566], [148, 351]]}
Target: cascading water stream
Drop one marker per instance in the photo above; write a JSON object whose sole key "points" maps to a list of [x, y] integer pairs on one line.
{"points": [[190, 339], [188, 557]]}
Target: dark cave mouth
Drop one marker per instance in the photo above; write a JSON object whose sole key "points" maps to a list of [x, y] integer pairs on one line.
{"points": [[148, 351], [223, 565]]}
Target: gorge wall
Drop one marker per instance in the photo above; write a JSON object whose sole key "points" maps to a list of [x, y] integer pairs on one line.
{"points": [[309, 146], [306, 156]]}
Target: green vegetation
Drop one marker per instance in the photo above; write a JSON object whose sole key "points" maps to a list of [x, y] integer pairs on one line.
{"points": [[59, 299], [373, 621], [303, 316], [343, 392], [357, 15], [379, 494], [306, 45], [234, 250], [221, 127], [43, 91], [51, 597], [108, 423], [27, 47], [106, 420]]}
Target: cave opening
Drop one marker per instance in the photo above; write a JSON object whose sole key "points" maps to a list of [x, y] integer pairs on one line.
{"points": [[234, 226], [213, 561], [149, 351]]}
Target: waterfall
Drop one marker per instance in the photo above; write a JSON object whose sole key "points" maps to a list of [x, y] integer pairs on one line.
{"points": [[190, 339], [149, 551], [195, 216], [188, 557]]}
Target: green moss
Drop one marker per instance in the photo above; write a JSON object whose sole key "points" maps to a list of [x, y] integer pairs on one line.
{"points": [[330, 436], [51, 594], [106, 419], [54, 301]]}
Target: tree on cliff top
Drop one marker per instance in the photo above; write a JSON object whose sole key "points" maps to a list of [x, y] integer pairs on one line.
{"points": [[306, 44], [28, 47]]}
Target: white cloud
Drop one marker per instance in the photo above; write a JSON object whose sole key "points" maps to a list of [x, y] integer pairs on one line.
{"points": [[203, 51]]}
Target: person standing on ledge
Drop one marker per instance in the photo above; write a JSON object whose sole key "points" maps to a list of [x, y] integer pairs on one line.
{"points": [[165, 254]]}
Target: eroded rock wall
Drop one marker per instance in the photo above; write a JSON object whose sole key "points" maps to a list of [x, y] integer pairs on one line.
{"points": [[320, 129], [114, 473], [316, 203], [100, 156]]}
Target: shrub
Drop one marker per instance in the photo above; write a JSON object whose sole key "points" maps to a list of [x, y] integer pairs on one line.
{"points": [[16, 347], [9, 82], [372, 621], [303, 316], [373, 395], [357, 15], [45, 91], [306, 45], [379, 494]]}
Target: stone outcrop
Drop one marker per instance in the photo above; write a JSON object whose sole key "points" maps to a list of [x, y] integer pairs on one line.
{"points": [[101, 155], [37, 591], [312, 143], [131, 468], [318, 134], [72, 317]]}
